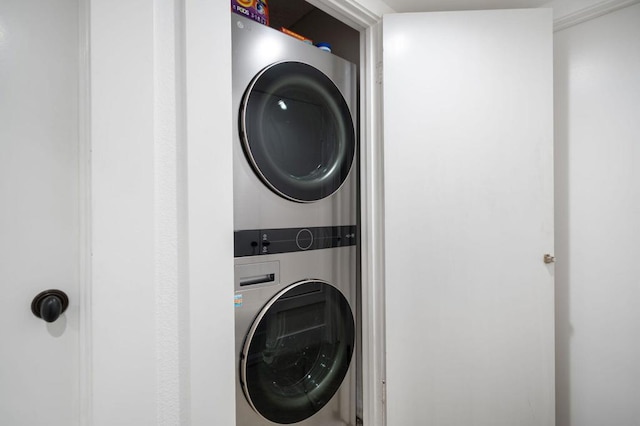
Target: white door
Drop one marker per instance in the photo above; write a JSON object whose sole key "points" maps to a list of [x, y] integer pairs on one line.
{"points": [[39, 231], [469, 216]]}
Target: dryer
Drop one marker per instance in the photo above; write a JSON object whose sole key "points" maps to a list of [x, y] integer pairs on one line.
{"points": [[295, 337], [296, 142]]}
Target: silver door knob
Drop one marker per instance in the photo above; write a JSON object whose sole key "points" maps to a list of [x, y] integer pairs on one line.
{"points": [[549, 259]]}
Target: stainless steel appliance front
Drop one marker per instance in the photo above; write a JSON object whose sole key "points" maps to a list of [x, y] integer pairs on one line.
{"points": [[295, 148], [295, 343]]}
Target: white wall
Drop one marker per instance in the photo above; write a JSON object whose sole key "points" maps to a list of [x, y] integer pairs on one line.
{"points": [[597, 83], [162, 255], [122, 192], [209, 125]]}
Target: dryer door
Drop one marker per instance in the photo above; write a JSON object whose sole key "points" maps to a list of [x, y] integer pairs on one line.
{"points": [[297, 352], [297, 131]]}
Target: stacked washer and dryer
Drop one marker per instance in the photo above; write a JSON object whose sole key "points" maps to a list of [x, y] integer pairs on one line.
{"points": [[295, 216]]}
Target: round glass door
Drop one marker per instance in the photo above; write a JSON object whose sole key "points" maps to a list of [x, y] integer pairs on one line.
{"points": [[297, 352], [297, 131]]}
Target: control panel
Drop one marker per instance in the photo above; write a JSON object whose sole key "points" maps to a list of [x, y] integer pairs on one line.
{"points": [[257, 242]]}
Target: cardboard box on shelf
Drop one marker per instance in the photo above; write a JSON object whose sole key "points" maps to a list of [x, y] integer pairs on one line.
{"points": [[258, 10], [296, 35]]}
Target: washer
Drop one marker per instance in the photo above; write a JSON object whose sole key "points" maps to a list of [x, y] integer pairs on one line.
{"points": [[295, 147], [296, 335]]}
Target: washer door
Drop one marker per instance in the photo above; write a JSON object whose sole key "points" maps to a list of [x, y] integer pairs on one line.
{"points": [[297, 352], [297, 131]]}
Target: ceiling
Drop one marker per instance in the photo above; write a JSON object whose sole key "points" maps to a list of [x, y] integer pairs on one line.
{"points": [[285, 13], [437, 5]]}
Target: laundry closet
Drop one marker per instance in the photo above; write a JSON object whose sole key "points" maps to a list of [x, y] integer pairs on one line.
{"points": [[296, 233], [467, 174]]}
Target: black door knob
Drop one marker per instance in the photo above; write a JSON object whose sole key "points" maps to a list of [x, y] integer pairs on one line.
{"points": [[49, 305]]}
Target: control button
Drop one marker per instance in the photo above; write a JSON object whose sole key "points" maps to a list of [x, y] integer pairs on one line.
{"points": [[304, 239]]}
